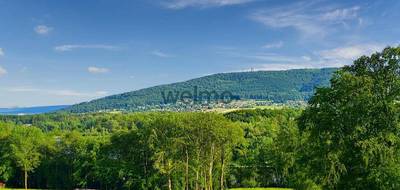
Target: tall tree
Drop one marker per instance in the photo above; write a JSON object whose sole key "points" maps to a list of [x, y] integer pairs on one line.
{"points": [[353, 126], [6, 169], [26, 144]]}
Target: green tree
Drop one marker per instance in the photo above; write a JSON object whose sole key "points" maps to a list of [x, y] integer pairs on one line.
{"points": [[26, 145], [267, 158], [353, 126], [6, 167]]}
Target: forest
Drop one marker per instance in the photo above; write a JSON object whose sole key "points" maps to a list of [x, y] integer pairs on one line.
{"points": [[346, 138], [147, 150]]}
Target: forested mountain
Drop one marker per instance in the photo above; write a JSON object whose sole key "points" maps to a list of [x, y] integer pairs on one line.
{"points": [[276, 86]]}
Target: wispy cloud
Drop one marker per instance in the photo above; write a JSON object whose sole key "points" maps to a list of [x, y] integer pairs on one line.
{"points": [[274, 58], [2, 71], [273, 61], [23, 89], [278, 44], [70, 47], [159, 53], [310, 19], [305, 57], [346, 54], [341, 14], [181, 4], [282, 62], [334, 57], [79, 94], [42, 29], [279, 67], [97, 70], [58, 92]]}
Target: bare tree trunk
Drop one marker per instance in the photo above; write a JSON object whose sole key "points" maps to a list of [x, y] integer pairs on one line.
{"points": [[197, 180], [26, 179], [222, 168], [210, 177], [205, 179], [187, 169], [169, 182]]}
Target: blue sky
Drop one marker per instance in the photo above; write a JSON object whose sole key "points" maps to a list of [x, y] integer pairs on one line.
{"points": [[69, 51]]}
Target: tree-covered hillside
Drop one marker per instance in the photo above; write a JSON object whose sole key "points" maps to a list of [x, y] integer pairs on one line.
{"points": [[276, 86]]}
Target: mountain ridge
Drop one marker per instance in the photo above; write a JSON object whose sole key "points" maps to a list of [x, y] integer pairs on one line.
{"points": [[275, 86]]}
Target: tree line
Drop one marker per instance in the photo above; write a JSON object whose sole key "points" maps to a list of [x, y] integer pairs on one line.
{"points": [[143, 151]]}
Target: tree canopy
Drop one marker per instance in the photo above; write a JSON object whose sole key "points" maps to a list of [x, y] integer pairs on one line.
{"points": [[353, 126]]}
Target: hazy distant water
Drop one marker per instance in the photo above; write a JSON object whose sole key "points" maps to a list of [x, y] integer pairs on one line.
{"points": [[31, 110]]}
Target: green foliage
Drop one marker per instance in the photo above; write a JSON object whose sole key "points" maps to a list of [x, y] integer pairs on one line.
{"points": [[136, 151], [26, 144], [267, 158], [158, 150], [260, 188], [6, 164], [353, 126]]}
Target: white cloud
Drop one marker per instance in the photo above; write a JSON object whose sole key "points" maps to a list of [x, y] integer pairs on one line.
{"points": [[307, 18], [274, 58], [350, 52], [42, 29], [159, 53], [24, 69], [2, 71], [58, 92], [306, 58], [280, 67], [23, 89], [273, 61], [181, 4], [1, 52], [63, 48], [341, 14], [78, 94], [97, 70], [293, 62], [335, 57], [278, 44]]}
